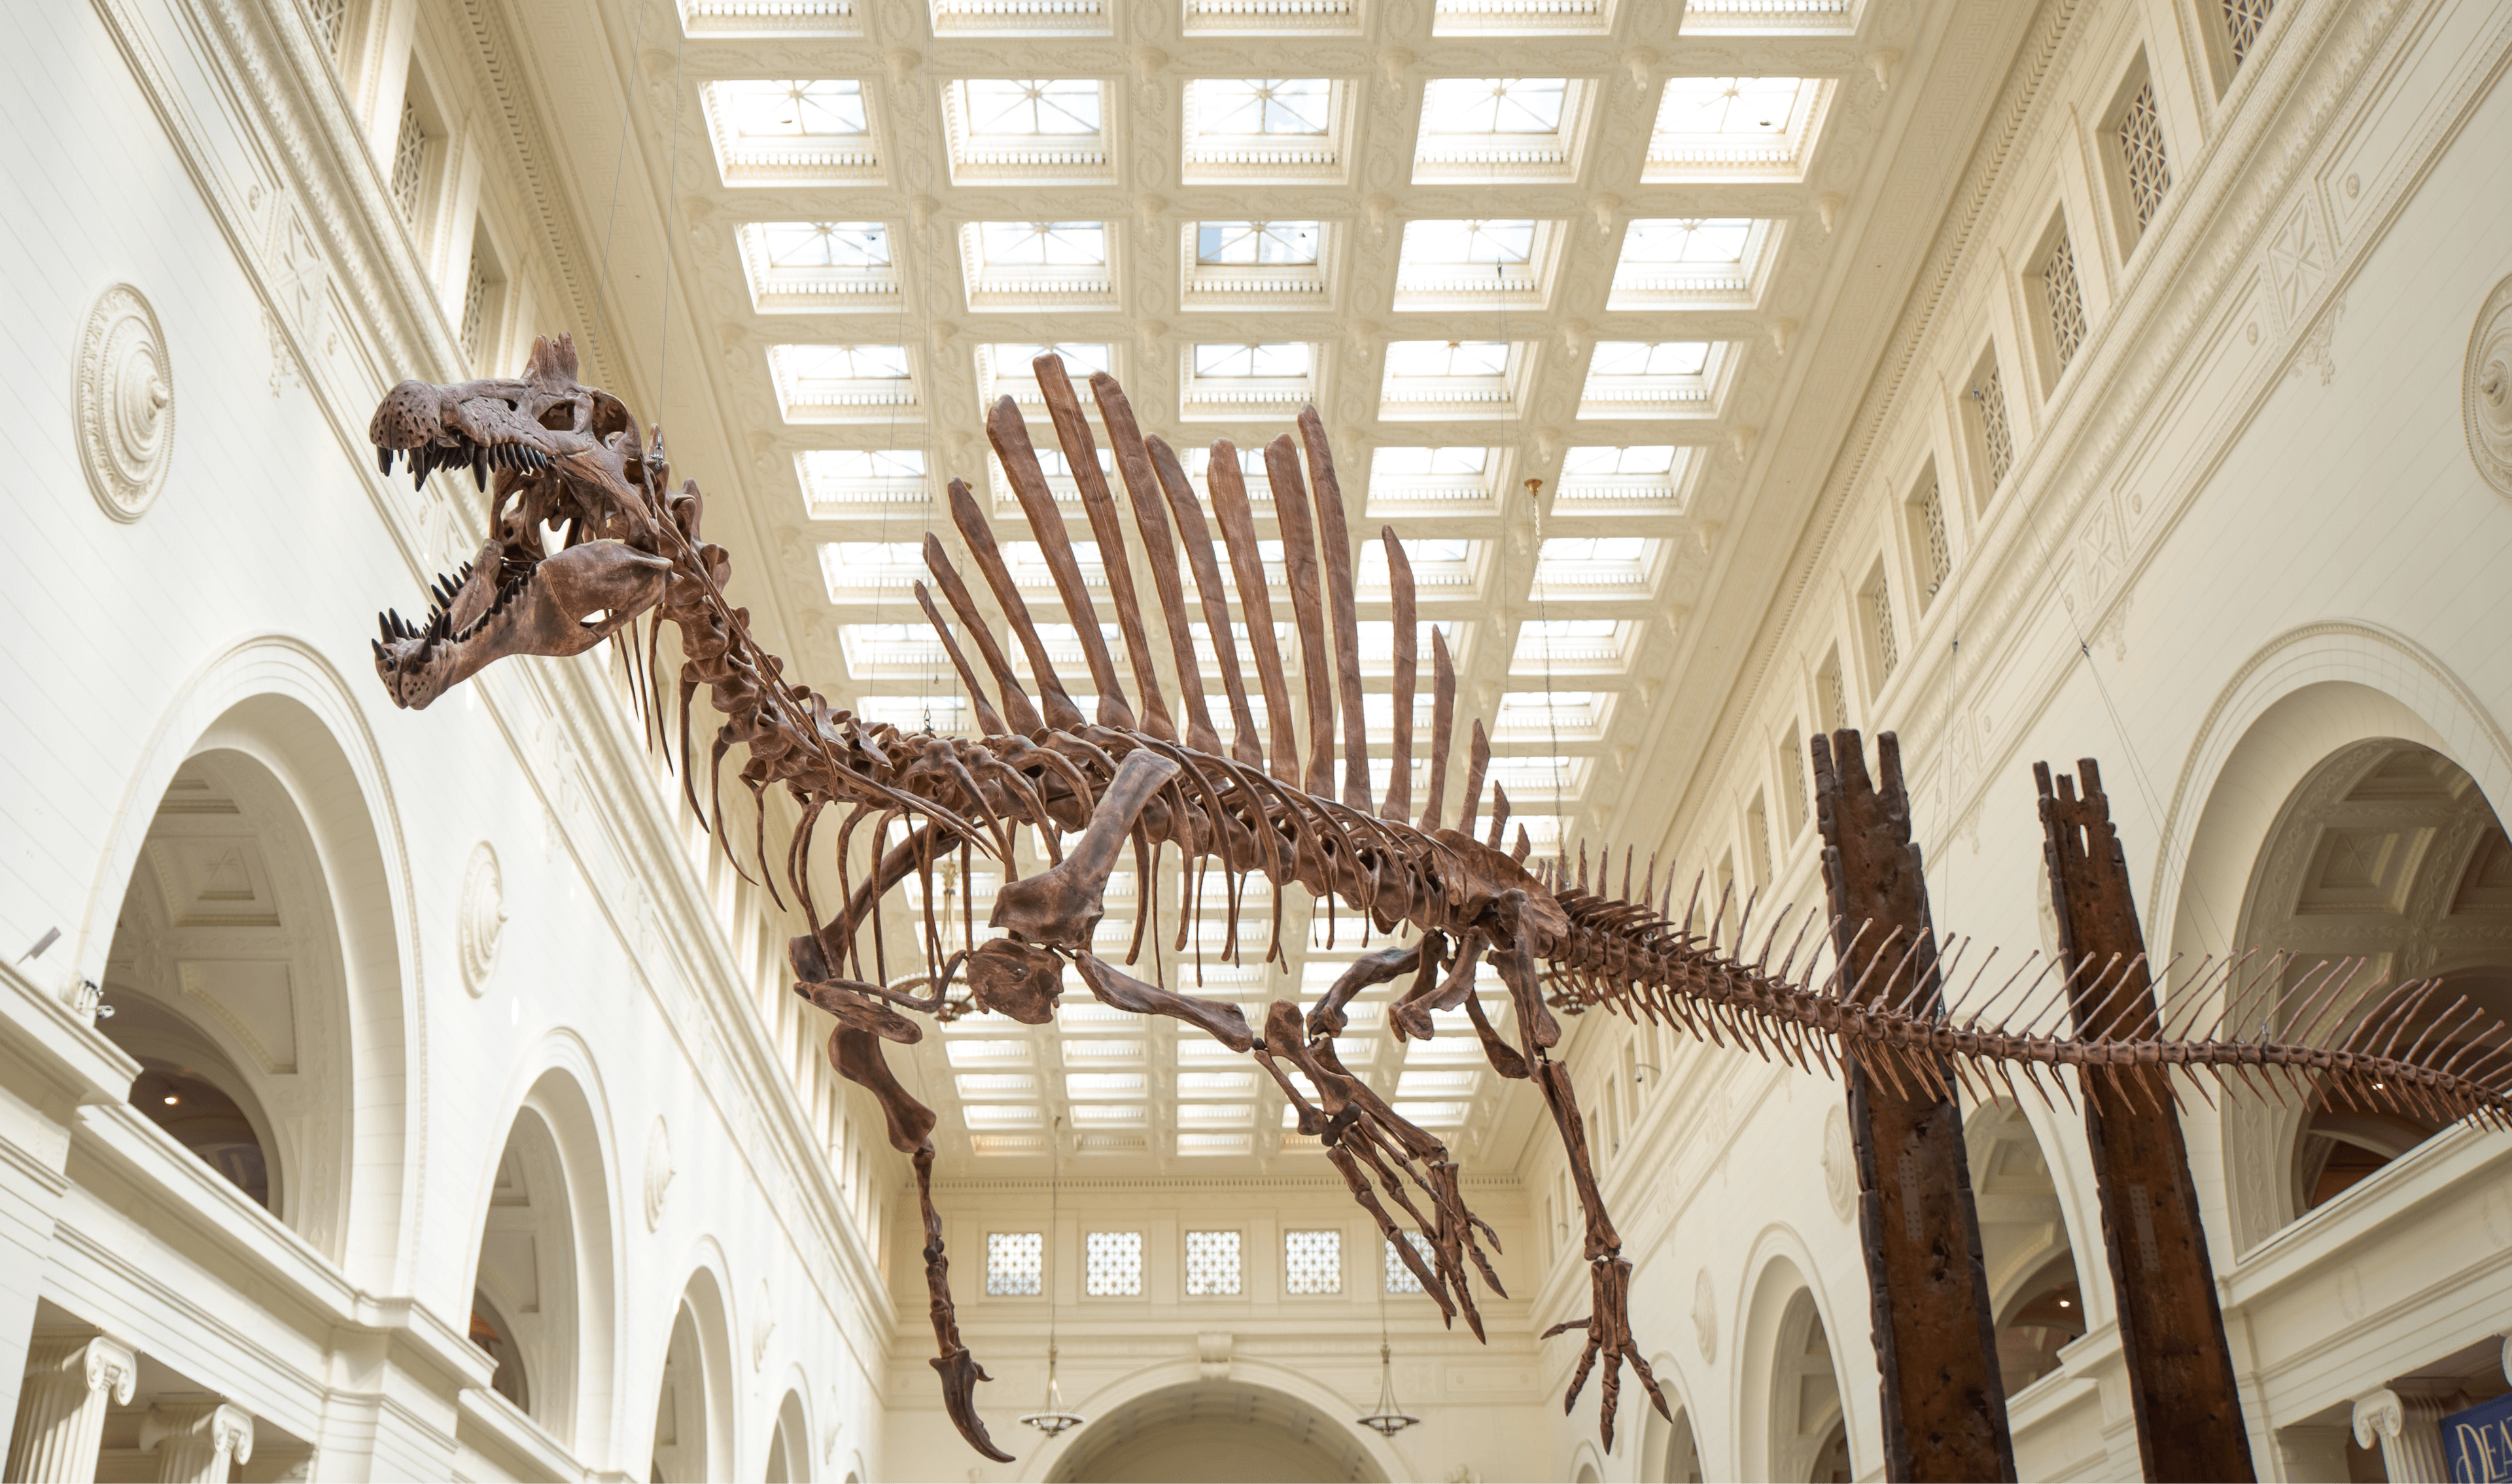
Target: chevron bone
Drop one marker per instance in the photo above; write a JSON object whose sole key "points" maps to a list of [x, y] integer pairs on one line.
{"points": [[1142, 777]]}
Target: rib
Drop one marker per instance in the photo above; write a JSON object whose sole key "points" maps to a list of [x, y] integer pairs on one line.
{"points": [[1334, 550], [1072, 431], [1061, 714], [1215, 600], [1150, 521], [1248, 566], [989, 721], [1400, 776], [1443, 717]]}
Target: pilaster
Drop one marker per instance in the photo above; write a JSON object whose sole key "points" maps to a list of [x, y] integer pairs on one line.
{"points": [[70, 1378]]}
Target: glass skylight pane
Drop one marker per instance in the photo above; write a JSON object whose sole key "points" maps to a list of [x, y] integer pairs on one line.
{"points": [[1215, 1084], [1273, 359], [1545, 713], [1225, 242], [825, 244], [867, 463], [1730, 108], [1493, 105], [1447, 357], [995, 1084], [792, 109], [864, 565], [1266, 106], [1650, 358], [1701, 240], [1102, 1084], [846, 363], [1043, 244], [1428, 463], [978, 1053], [913, 713], [1080, 359], [1601, 462], [1429, 244], [1039, 106]]}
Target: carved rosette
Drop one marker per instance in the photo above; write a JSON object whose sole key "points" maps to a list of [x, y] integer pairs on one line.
{"points": [[480, 919], [123, 403], [2485, 389]]}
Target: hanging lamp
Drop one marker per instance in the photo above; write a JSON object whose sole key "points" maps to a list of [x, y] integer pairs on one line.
{"points": [[1051, 1418], [1389, 1418]]}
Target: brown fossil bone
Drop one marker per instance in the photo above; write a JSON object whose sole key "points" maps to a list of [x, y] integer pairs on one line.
{"points": [[591, 539]]}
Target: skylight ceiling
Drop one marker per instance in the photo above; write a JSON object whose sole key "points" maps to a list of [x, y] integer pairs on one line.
{"points": [[1492, 241]]}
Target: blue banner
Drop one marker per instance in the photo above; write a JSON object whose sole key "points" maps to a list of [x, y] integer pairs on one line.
{"points": [[2478, 1443]]}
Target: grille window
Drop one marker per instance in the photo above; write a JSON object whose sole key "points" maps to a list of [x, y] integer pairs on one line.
{"points": [[1400, 1278], [1989, 394], [1113, 1266], [475, 307], [2141, 152], [1792, 767], [1013, 1262], [409, 161], [1879, 618], [2067, 305], [1312, 1261], [1932, 531], [328, 17], [2243, 21], [1212, 1267]]}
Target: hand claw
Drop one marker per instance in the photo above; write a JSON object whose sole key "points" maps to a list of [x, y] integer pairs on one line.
{"points": [[961, 1374]]}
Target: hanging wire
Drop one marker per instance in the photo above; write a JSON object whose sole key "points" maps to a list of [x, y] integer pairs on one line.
{"points": [[1051, 1418]]}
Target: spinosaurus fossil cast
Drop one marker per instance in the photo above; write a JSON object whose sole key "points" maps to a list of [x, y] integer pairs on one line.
{"points": [[561, 458]]}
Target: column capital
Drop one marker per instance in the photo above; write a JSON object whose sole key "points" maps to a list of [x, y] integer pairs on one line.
{"points": [[2378, 1416], [226, 1426], [104, 1363]]}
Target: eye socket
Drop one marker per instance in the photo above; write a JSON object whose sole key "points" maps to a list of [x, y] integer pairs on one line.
{"points": [[559, 419]]}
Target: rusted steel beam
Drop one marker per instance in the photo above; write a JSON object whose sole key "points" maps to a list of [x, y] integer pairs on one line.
{"points": [[2171, 1332], [1945, 1410]]}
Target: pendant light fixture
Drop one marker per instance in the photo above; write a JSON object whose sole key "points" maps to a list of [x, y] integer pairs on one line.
{"points": [[1051, 1418], [1389, 1418]]}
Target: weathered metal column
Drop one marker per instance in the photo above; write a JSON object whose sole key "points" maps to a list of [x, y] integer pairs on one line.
{"points": [[2171, 1331], [1945, 1409]]}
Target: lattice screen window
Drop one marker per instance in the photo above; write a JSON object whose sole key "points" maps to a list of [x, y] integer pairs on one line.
{"points": [[1988, 396], [1312, 1261], [2063, 300], [1113, 1265], [1880, 626], [1938, 560], [2141, 152], [1014, 1260], [410, 162], [1792, 767], [1400, 1278], [1757, 838], [475, 307], [1212, 1264], [329, 17], [2243, 21], [1834, 699]]}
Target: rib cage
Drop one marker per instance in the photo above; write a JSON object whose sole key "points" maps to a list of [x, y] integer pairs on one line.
{"points": [[1142, 780]]}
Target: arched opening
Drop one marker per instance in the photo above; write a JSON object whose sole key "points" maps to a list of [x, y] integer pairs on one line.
{"points": [[526, 1293], [693, 1405], [1809, 1432], [789, 1450], [1215, 1431], [2033, 1279], [1668, 1452], [2385, 851], [225, 982]]}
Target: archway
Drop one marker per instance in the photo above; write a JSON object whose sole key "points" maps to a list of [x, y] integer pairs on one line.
{"points": [[224, 979], [1794, 1424], [693, 1405], [1668, 1452], [2033, 1285], [789, 1448], [1215, 1431], [2385, 851], [524, 1287]]}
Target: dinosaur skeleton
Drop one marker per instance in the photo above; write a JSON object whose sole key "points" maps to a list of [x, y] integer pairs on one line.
{"points": [[562, 458]]}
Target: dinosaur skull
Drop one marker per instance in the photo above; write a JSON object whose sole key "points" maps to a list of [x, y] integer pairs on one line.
{"points": [[571, 556]]}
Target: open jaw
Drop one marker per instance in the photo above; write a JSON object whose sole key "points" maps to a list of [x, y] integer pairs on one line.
{"points": [[555, 456]]}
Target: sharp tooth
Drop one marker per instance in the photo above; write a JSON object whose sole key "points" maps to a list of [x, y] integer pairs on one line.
{"points": [[383, 623], [383, 460], [479, 468]]}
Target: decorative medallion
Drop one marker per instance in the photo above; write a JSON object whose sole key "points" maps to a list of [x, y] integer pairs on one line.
{"points": [[480, 919], [1704, 1318], [658, 1172], [124, 403], [2486, 387], [1839, 1164]]}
